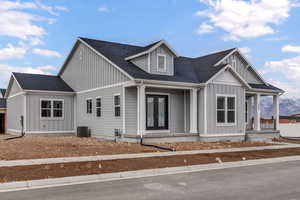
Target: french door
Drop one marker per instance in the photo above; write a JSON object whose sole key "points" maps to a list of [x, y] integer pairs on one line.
{"points": [[157, 112]]}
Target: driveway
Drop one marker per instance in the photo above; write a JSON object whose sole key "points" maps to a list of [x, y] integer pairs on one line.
{"points": [[272, 181]]}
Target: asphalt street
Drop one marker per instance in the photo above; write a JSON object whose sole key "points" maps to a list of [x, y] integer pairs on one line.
{"points": [[279, 181]]}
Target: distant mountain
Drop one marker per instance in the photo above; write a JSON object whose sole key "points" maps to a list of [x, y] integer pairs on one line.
{"points": [[286, 106]]}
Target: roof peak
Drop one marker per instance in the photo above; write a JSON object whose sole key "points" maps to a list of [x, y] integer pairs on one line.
{"points": [[217, 52]]}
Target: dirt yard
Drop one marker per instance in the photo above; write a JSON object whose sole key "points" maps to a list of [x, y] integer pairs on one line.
{"points": [[33, 147], [34, 172]]}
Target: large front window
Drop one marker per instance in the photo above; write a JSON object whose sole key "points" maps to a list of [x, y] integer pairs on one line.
{"points": [[52, 108], [226, 111]]}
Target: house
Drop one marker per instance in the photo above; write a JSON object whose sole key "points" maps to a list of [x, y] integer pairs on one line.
{"points": [[2, 111], [145, 92]]}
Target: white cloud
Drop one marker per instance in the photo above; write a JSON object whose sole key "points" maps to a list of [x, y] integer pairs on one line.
{"points": [[290, 67], [104, 9], [246, 19], [205, 28], [17, 21], [46, 52], [245, 50], [11, 51], [6, 70], [291, 48], [46, 68], [291, 91]]}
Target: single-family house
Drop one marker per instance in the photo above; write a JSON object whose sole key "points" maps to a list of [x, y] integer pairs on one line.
{"points": [[147, 92]]}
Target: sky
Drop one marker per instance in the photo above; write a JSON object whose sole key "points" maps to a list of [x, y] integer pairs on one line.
{"points": [[37, 35]]}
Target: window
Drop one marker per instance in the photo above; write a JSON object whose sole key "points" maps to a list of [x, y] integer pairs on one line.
{"points": [[57, 108], [89, 106], [226, 109], [52, 108], [45, 108], [246, 111], [98, 107], [117, 105], [161, 63]]}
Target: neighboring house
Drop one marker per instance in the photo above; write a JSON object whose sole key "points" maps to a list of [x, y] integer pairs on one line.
{"points": [[148, 92], [2, 111]]}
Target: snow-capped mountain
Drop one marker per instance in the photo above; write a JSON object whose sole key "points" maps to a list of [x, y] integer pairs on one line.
{"points": [[286, 106]]}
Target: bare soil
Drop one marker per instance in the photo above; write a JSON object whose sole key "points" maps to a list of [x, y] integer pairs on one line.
{"points": [[34, 172], [35, 147], [293, 141]]}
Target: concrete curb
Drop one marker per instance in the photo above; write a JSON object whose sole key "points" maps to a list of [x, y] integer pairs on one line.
{"points": [[73, 180], [12, 163]]}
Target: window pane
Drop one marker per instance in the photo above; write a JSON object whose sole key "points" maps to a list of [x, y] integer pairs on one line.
{"points": [[230, 103], [46, 104], [230, 116], [117, 100], [221, 116], [161, 112], [117, 111], [98, 110], [89, 106], [161, 62], [46, 113], [57, 113], [150, 112], [58, 104], [221, 103], [98, 102]]}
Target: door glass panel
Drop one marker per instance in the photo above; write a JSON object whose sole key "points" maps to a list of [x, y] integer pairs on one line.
{"points": [[161, 112], [150, 112]]}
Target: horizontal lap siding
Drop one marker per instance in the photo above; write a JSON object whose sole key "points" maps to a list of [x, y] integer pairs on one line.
{"points": [[131, 111], [212, 91], [107, 123], [15, 109], [35, 123], [176, 108], [91, 71]]}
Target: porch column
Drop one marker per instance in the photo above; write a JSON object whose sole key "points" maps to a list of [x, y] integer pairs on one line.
{"points": [[193, 111], [141, 110], [257, 112], [276, 111], [250, 111]]}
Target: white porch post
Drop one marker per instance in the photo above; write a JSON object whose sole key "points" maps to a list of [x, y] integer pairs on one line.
{"points": [[193, 111], [141, 110], [257, 112], [250, 110], [276, 111]]}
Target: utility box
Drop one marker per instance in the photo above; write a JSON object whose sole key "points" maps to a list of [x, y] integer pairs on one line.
{"points": [[83, 131]]}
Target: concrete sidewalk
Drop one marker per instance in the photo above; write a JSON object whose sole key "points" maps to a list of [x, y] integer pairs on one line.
{"points": [[11, 163]]}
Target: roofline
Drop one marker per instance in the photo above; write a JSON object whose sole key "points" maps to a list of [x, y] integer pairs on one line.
{"points": [[67, 58], [9, 84], [151, 49], [50, 91], [266, 90], [186, 84], [249, 64], [228, 66]]}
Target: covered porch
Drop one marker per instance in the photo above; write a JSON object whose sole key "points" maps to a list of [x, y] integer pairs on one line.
{"points": [[256, 126]]}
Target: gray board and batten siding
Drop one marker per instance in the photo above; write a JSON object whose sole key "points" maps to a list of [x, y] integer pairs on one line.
{"points": [[86, 70], [242, 68]]}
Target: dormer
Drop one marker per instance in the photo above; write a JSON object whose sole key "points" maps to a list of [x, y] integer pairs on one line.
{"points": [[156, 58]]}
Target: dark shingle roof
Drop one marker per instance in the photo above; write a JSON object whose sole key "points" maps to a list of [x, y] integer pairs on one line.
{"points": [[2, 103], [146, 48], [2, 90], [192, 70], [265, 87], [41, 82]]}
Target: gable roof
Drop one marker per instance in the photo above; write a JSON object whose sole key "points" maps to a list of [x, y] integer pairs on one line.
{"points": [[190, 70], [41, 82], [265, 87]]}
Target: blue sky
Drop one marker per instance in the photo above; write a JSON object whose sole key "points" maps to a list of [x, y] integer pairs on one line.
{"points": [[36, 36]]}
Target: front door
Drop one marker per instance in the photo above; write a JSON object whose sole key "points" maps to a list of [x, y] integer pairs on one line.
{"points": [[157, 112]]}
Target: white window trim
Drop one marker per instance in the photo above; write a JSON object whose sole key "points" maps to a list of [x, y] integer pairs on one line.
{"points": [[165, 63], [117, 94], [226, 110], [99, 97], [51, 110], [86, 106]]}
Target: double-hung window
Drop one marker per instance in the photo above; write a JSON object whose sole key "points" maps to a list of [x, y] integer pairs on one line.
{"points": [[117, 102], [52, 108], [226, 110], [89, 106], [161, 63], [98, 107]]}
